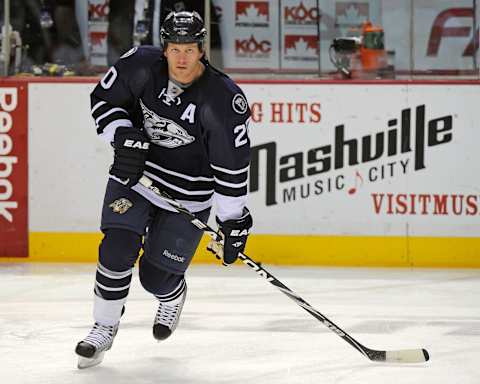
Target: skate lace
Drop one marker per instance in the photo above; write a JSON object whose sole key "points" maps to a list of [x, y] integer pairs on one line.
{"points": [[167, 314], [101, 336]]}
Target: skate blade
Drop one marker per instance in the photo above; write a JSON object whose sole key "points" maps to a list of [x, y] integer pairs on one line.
{"points": [[86, 362]]}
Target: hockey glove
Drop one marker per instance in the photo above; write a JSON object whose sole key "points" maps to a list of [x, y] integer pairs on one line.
{"points": [[234, 238], [131, 150]]}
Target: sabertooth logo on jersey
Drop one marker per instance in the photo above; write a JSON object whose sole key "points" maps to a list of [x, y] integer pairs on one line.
{"points": [[164, 132], [121, 206]]}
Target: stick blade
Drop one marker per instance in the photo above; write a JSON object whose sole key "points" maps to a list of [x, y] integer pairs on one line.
{"points": [[407, 356]]}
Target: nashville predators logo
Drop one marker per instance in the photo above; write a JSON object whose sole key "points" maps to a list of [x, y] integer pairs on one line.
{"points": [[164, 132], [121, 206], [239, 104]]}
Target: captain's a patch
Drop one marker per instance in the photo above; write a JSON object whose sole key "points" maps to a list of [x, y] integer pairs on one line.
{"points": [[121, 206]]}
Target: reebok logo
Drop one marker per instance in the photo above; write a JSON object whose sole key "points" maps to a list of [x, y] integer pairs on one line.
{"points": [[8, 103], [136, 144], [173, 257]]}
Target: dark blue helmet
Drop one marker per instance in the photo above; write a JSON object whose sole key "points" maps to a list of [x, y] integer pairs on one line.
{"points": [[183, 28]]}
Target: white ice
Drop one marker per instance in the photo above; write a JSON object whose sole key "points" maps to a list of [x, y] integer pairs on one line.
{"points": [[237, 328]]}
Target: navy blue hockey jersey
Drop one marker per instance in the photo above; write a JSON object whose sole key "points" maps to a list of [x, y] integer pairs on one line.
{"points": [[200, 149]]}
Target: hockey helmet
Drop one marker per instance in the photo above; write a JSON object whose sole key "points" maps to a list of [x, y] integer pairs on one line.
{"points": [[183, 28]]}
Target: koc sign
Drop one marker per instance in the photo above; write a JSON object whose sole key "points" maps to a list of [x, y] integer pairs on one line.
{"points": [[253, 47], [98, 10], [301, 14]]}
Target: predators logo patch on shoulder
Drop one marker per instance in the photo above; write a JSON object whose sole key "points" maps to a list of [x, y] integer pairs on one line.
{"points": [[239, 104], [121, 206]]}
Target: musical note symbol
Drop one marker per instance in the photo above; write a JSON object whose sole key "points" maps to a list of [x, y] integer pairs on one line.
{"points": [[358, 177]]}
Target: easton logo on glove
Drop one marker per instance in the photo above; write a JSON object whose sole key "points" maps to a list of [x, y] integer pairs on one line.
{"points": [[136, 144], [131, 151], [234, 234], [237, 232]]}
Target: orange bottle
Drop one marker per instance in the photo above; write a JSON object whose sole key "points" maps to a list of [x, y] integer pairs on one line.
{"points": [[372, 51]]}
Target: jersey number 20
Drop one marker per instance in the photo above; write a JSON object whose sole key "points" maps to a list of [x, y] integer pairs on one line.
{"points": [[240, 132]]}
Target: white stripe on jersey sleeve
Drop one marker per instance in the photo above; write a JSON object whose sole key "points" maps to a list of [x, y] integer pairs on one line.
{"points": [[192, 206], [98, 105], [230, 171], [109, 130], [175, 188], [231, 185], [177, 174], [109, 112], [228, 207]]}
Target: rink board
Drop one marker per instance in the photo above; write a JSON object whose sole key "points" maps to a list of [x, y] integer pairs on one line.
{"points": [[360, 173], [290, 250]]}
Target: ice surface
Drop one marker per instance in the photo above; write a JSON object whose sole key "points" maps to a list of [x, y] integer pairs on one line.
{"points": [[237, 328]]}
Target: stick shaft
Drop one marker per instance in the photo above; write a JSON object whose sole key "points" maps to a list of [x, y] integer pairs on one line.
{"points": [[257, 268], [397, 356]]}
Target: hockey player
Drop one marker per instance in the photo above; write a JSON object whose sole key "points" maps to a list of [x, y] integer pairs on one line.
{"points": [[171, 117]]}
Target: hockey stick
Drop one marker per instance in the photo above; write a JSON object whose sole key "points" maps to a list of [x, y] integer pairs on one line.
{"points": [[396, 356]]}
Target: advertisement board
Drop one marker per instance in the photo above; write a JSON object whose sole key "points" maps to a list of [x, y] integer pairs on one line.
{"points": [[299, 38], [391, 160], [249, 31], [445, 35], [284, 35], [307, 32], [97, 31], [370, 173], [13, 169], [327, 159], [291, 34]]}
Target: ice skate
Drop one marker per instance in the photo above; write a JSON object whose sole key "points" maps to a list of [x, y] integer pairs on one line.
{"points": [[91, 350], [168, 316]]}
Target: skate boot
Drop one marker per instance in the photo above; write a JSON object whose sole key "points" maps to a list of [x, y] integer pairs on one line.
{"points": [[168, 315], [91, 350]]}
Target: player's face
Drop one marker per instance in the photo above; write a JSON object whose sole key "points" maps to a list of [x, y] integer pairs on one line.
{"points": [[184, 61]]}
